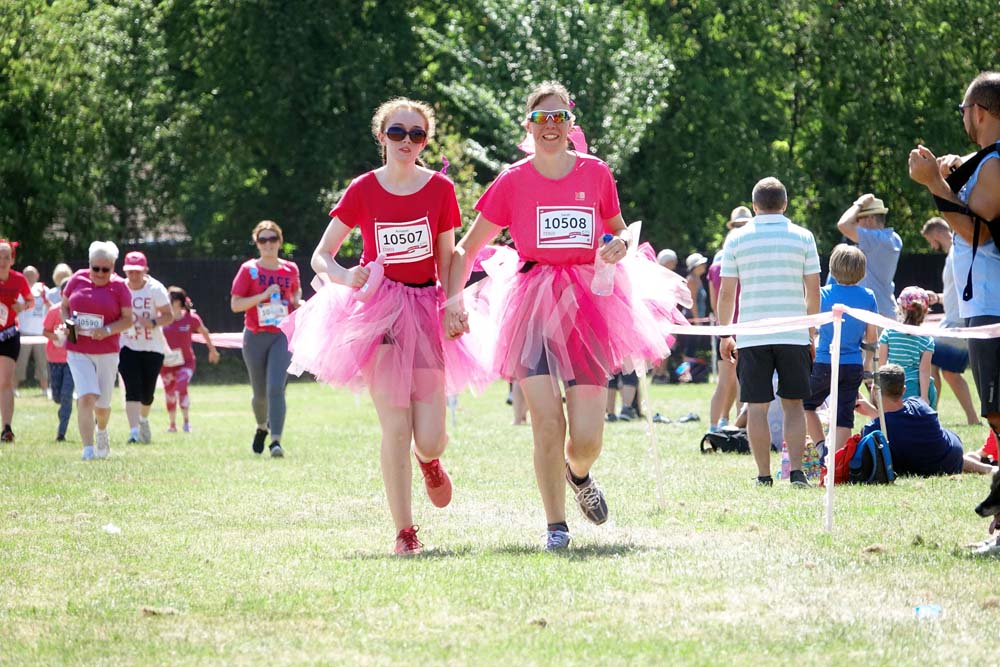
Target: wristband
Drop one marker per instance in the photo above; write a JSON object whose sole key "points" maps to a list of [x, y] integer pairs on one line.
{"points": [[153, 320], [867, 375]]}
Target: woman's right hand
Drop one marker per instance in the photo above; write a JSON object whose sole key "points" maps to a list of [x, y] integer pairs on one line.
{"points": [[357, 276], [271, 289], [456, 320]]}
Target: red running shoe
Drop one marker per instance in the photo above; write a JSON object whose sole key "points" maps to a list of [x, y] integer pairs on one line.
{"points": [[437, 482], [407, 543]]}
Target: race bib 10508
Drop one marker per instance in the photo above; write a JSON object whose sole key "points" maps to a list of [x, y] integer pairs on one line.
{"points": [[565, 227], [404, 242]]}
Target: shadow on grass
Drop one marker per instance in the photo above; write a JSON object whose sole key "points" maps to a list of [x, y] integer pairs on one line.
{"points": [[586, 552], [428, 553]]}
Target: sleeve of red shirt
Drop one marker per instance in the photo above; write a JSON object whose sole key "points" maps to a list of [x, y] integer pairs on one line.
{"points": [[494, 204], [451, 215], [52, 320], [123, 294], [196, 323], [241, 283], [350, 209], [295, 276]]}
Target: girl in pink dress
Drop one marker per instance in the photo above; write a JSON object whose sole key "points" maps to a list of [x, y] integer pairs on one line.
{"points": [[551, 326], [387, 335]]}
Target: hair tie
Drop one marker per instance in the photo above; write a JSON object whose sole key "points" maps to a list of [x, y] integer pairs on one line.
{"points": [[444, 169]]}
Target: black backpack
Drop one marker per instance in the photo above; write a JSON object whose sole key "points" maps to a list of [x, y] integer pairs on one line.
{"points": [[726, 439]]}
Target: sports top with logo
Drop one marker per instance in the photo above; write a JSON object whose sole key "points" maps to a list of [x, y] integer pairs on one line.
{"points": [[254, 278], [15, 286], [402, 227], [553, 221], [95, 306], [145, 302]]}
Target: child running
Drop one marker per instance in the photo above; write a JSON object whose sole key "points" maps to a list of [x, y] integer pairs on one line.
{"points": [[179, 362], [387, 335]]}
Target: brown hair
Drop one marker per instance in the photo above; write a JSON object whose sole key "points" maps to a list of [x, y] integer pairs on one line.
{"points": [[267, 224], [892, 380], [546, 88], [914, 314], [848, 264], [769, 195], [985, 91], [389, 107], [178, 294]]}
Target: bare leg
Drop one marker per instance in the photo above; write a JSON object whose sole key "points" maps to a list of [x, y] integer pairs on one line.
{"points": [[759, 434], [724, 395], [586, 427], [795, 430], [85, 418], [397, 471], [520, 406], [962, 393], [548, 426]]}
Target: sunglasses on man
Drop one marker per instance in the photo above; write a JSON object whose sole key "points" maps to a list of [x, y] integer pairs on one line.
{"points": [[418, 135]]}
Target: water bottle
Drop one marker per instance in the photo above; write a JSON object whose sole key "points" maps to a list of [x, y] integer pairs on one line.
{"points": [[376, 272], [275, 301], [786, 464], [604, 274]]}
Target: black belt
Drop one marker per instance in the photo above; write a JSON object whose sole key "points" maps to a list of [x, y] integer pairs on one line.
{"points": [[427, 283], [527, 266]]}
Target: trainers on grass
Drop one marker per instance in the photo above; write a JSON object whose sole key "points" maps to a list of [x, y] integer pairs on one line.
{"points": [[557, 540], [276, 451], [589, 497], [102, 445], [7, 435], [258, 441], [145, 432], [798, 479], [436, 482], [88, 453], [407, 543]]}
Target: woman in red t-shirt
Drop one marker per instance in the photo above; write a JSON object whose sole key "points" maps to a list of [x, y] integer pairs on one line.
{"points": [[15, 296], [266, 290], [178, 363], [387, 335]]}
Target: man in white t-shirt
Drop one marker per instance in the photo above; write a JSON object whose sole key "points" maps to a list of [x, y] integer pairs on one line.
{"points": [[30, 324], [143, 345]]}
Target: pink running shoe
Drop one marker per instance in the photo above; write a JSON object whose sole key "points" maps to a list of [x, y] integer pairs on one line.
{"points": [[407, 543], [437, 482], [172, 428]]}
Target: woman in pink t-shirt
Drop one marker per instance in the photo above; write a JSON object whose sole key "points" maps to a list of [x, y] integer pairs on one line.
{"points": [[99, 305], [266, 290], [179, 363], [15, 296], [557, 205], [377, 325]]}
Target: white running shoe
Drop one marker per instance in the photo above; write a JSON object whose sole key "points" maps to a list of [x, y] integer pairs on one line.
{"points": [[145, 432], [102, 446]]}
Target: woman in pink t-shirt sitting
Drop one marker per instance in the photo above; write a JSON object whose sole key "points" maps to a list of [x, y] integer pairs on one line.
{"points": [[99, 306], [561, 207]]}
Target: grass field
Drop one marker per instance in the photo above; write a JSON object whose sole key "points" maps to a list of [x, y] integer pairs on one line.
{"points": [[225, 558]]}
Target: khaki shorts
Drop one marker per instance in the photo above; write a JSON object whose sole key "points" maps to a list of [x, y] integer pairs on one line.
{"points": [[94, 374]]}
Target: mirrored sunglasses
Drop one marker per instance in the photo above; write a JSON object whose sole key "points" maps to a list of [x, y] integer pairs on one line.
{"points": [[557, 116], [397, 133]]}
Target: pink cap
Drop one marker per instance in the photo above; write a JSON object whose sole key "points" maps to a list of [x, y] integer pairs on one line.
{"points": [[135, 261]]}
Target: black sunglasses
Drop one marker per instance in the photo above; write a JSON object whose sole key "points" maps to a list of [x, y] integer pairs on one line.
{"points": [[963, 107], [267, 239], [100, 269], [397, 133]]}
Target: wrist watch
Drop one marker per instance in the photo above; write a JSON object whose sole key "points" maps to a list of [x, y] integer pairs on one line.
{"points": [[153, 320], [107, 330]]}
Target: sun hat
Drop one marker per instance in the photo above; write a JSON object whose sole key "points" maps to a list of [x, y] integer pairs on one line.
{"points": [[874, 207], [695, 260], [911, 295], [740, 216]]}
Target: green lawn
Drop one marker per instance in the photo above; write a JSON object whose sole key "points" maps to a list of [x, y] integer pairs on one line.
{"points": [[226, 558]]}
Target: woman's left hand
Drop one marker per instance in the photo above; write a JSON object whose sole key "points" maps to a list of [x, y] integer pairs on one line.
{"points": [[614, 250]]}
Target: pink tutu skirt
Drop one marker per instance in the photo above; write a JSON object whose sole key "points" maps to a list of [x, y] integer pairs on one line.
{"points": [[549, 322], [394, 344]]}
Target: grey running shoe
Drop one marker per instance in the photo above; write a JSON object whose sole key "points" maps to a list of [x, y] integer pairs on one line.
{"points": [[102, 445], [276, 451], [145, 432], [798, 479], [590, 498], [557, 540]]}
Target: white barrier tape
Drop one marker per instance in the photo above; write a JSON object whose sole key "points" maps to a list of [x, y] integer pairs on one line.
{"points": [[228, 340], [773, 325]]}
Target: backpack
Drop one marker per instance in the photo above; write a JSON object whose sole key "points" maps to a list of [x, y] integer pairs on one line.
{"points": [[726, 439], [841, 461], [872, 461]]}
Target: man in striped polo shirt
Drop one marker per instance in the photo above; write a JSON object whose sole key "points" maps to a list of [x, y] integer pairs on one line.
{"points": [[776, 265]]}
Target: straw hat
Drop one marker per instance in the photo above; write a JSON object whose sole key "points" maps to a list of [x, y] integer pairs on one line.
{"points": [[740, 216]]}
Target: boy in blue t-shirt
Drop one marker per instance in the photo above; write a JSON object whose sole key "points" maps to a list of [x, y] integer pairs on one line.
{"points": [[847, 266]]}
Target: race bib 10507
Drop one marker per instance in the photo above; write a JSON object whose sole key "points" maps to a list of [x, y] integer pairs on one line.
{"points": [[404, 242], [565, 227]]}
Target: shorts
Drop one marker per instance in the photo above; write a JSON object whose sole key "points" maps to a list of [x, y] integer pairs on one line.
{"points": [[949, 356], [140, 370], [847, 390], [94, 374], [984, 357], [592, 375], [624, 380], [755, 366], [10, 343]]}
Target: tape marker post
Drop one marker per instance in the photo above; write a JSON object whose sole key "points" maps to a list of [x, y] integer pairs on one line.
{"points": [[831, 432]]}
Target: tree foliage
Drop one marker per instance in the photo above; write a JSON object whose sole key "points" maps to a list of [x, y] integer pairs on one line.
{"points": [[141, 119]]}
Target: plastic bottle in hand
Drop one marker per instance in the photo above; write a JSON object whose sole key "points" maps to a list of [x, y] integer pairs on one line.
{"points": [[604, 274], [275, 300], [376, 272]]}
